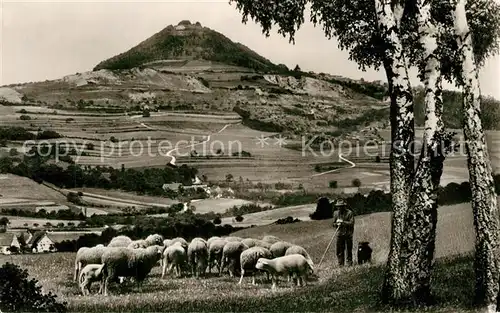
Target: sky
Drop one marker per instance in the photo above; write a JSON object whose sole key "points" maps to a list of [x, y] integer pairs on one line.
{"points": [[42, 40]]}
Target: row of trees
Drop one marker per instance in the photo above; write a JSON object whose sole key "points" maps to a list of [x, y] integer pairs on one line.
{"points": [[444, 40], [148, 181], [187, 225]]}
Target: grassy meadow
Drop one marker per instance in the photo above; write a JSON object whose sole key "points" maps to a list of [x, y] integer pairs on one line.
{"points": [[335, 290]]}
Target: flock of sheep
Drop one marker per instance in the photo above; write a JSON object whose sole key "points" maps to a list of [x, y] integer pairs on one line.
{"points": [[126, 258]]}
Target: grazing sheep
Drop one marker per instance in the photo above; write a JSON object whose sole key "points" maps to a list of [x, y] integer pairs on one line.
{"points": [[211, 239], [250, 242], [175, 255], [263, 244], [215, 249], [279, 248], [86, 256], [154, 240], [231, 256], [120, 241], [271, 239], [89, 274], [125, 262], [197, 254], [295, 249], [200, 239], [181, 240], [364, 252], [248, 260], [136, 244], [293, 264], [167, 242], [232, 238]]}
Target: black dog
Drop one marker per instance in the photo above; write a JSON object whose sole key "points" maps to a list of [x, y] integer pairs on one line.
{"points": [[364, 252]]}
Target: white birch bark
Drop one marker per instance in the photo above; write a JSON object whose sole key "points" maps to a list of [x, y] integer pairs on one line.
{"points": [[420, 228], [402, 134], [484, 200]]}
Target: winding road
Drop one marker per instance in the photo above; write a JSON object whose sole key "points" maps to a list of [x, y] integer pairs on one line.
{"points": [[341, 157], [173, 159]]}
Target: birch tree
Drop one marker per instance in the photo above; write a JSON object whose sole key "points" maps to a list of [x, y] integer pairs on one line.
{"points": [[484, 199], [381, 33]]}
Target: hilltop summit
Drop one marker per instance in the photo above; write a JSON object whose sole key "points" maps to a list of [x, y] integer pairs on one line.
{"points": [[186, 41]]}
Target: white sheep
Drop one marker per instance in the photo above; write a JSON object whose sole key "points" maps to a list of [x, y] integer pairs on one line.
{"points": [[175, 255], [215, 249], [181, 240], [233, 238], [263, 244], [125, 262], [295, 249], [89, 274], [120, 241], [197, 254], [248, 260], [293, 264], [211, 239], [154, 240], [86, 256], [167, 242], [201, 239], [136, 244], [250, 242], [279, 248], [271, 239], [231, 256]]}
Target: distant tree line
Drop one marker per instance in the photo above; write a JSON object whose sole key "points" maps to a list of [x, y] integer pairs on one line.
{"points": [[378, 201], [187, 225], [148, 181]]}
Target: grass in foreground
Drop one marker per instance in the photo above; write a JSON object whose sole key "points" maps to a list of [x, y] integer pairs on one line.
{"points": [[352, 290]]}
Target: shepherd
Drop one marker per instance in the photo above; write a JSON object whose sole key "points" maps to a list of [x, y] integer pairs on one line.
{"points": [[343, 220]]}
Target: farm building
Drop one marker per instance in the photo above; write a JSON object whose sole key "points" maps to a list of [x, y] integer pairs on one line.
{"points": [[10, 240], [40, 243]]}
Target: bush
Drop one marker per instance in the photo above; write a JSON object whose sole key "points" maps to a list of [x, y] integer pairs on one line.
{"points": [[377, 159], [113, 139], [89, 146], [239, 218], [324, 210], [317, 168], [74, 198], [20, 294], [333, 184], [25, 117], [217, 221], [146, 113], [356, 182], [287, 220]]}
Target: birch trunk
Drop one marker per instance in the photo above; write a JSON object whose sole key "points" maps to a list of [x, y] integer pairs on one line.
{"points": [[484, 200], [402, 135], [418, 244]]}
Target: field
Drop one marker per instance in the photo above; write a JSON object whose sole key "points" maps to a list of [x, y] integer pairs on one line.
{"points": [[165, 136], [333, 289]]}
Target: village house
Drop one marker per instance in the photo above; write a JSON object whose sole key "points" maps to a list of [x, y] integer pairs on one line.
{"points": [[10, 241], [40, 243]]}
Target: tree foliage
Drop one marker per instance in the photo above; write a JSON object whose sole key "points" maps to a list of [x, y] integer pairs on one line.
{"points": [[353, 24], [18, 293]]}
